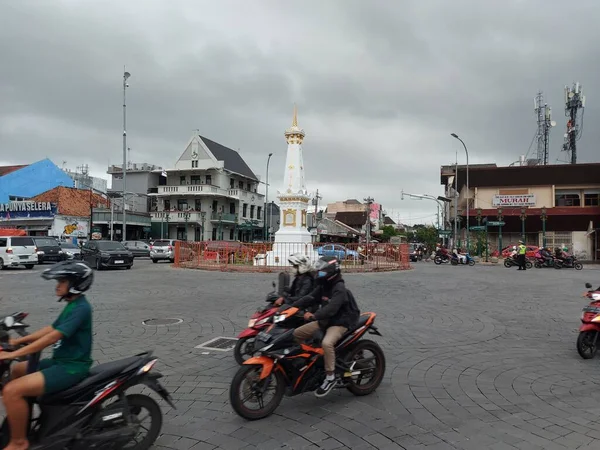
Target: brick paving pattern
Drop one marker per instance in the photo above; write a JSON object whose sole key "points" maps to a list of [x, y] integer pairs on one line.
{"points": [[477, 358]]}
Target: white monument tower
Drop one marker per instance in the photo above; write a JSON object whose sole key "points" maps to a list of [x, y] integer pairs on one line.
{"points": [[292, 236]]}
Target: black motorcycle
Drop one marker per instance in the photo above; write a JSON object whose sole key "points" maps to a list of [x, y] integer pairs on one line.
{"points": [[510, 261], [98, 412], [441, 258], [568, 263]]}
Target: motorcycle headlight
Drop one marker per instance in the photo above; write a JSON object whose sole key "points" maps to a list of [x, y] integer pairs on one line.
{"points": [[251, 323], [596, 297], [262, 321], [278, 318]]}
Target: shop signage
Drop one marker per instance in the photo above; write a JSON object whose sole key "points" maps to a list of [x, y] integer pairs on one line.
{"points": [[26, 209], [514, 200]]}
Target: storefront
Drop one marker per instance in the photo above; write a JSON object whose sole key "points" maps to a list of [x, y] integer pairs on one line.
{"points": [[35, 218]]}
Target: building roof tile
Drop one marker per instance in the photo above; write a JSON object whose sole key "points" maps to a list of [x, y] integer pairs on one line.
{"points": [[71, 201]]}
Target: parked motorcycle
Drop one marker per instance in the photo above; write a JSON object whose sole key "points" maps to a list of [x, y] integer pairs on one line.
{"points": [[261, 319], [467, 261], [511, 261], [286, 368], [587, 341], [97, 412], [569, 263]]}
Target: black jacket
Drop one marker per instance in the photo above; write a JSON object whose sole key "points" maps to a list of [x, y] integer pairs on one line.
{"points": [[302, 285], [339, 310]]}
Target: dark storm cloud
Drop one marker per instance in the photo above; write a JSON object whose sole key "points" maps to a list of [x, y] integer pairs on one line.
{"points": [[380, 85]]}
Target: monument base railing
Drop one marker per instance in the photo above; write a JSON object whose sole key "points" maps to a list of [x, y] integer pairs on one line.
{"points": [[246, 257]]}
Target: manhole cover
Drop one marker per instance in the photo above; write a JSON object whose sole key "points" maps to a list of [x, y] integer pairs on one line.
{"points": [[161, 322], [220, 344]]}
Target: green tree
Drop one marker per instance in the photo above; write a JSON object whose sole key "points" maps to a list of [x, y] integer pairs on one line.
{"points": [[388, 232], [428, 235]]}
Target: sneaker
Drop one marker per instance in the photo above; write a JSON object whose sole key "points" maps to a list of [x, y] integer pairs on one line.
{"points": [[326, 387]]}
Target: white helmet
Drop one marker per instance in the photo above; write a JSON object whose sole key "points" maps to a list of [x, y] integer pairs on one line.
{"points": [[514, 247], [301, 262]]}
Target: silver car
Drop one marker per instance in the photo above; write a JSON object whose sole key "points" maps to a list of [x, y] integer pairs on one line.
{"points": [[163, 249], [71, 250]]}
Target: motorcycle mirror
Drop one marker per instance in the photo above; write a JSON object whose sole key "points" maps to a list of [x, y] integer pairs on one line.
{"points": [[9, 321], [588, 285], [274, 285]]}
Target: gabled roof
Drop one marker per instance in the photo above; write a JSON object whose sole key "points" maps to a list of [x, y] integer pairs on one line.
{"points": [[71, 201], [387, 220], [32, 180], [5, 170], [352, 201], [232, 159]]}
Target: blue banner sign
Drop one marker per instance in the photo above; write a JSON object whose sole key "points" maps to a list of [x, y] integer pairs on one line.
{"points": [[26, 209]]}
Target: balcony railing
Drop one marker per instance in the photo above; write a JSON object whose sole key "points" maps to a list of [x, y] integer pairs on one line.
{"points": [[179, 216], [207, 189], [222, 217]]}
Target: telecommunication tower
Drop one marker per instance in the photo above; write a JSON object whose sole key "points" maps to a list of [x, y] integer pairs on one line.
{"points": [[574, 101], [544, 123]]}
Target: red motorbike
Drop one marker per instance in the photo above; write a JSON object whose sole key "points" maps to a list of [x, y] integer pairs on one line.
{"points": [[589, 331], [261, 319]]}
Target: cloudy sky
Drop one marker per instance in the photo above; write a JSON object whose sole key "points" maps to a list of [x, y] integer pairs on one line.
{"points": [[379, 84]]}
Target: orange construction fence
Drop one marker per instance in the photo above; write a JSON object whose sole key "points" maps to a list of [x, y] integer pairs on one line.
{"points": [[263, 257]]}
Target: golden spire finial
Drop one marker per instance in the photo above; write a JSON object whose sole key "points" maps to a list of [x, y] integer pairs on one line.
{"points": [[295, 118]]}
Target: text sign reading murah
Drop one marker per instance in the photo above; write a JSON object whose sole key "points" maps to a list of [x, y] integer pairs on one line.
{"points": [[514, 200], [26, 209]]}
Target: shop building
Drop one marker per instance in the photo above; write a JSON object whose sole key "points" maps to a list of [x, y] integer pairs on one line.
{"points": [[210, 194], [556, 205], [61, 212]]}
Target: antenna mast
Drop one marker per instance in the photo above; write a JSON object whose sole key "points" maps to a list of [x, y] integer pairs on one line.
{"points": [[574, 101], [544, 123]]}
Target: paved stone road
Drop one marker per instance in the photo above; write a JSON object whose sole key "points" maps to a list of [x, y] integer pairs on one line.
{"points": [[477, 358]]}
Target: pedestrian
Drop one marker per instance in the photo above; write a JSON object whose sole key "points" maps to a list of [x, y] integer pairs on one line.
{"points": [[521, 252]]}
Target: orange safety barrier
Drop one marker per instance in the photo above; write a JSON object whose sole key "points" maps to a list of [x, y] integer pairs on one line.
{"points": [[252, 257]]}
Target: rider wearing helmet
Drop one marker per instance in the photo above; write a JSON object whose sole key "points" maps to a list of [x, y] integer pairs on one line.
{"points": [[338, 313], [71, 336], [304, 280]]}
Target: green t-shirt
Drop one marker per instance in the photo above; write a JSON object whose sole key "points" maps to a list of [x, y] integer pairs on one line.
{"points": [[74, 350]]}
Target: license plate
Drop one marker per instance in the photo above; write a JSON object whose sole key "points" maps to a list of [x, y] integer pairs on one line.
{"points": [[159, 251], [264, 337], [24, 257], [119, 261], [591, 309]]}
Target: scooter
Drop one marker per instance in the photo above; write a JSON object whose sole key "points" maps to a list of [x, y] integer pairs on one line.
{"points": [[541, 262], [589, 331], [568, 263], [512, 262], [467, 261], [261, 319]]}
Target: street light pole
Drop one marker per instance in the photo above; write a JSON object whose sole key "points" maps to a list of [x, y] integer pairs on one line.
{"points": [[267, 217], [544, 217], [523, 217], [454, 135], [126, 75]]}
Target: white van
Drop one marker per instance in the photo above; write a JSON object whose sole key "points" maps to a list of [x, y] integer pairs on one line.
{"points": [[17, 251]]}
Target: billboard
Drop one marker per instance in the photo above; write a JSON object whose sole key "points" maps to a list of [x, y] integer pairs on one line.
{"points": [[27, 210], [513, 200]]}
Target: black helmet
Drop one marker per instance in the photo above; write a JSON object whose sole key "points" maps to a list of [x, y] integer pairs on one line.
{"points": [[79, 274], [327, 267]]}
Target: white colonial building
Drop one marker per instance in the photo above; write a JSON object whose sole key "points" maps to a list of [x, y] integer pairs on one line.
{"points": [[210, 194]]}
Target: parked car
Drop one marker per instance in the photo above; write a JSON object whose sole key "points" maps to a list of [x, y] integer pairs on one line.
{"points": [[530, 253], [139, 248], [340, 252], [49, 250], [106, 254], [72, 251], [17, 251], [164, 250]]}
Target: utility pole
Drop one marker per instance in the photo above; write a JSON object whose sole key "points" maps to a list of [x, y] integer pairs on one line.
{"points": [[368, 202], [126, 75], [316, 203], [574, 101]]}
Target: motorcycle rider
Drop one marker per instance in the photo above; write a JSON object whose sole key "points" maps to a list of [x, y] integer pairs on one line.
{"points": [[71, 335], [338, 313], [304, 281], [462, 259], [546, 256]]}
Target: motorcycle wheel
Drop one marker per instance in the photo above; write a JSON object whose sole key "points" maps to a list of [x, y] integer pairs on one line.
{"points": [[244, 349], [507, 264], [537, 265], [471, 262], [357, 351], [437, 260], [137, 403], [528, 265], [454, 262], [238, 392], [578, 266], [585, 344]]}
